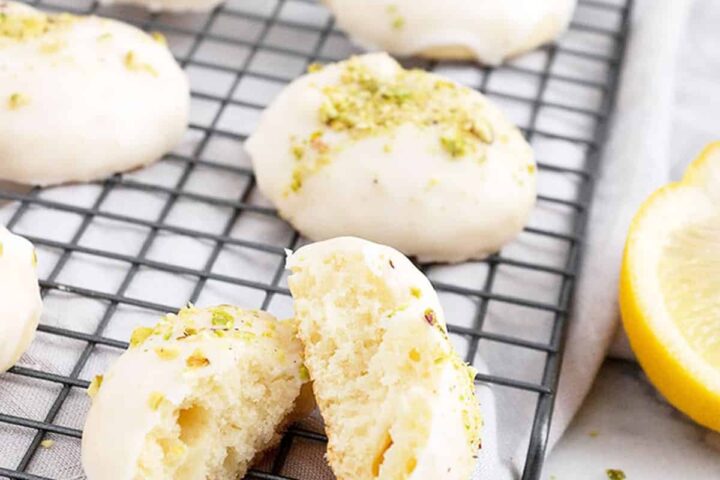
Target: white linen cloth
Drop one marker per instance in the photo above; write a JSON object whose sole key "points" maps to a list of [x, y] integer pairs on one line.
{"points": [[636, 162]]}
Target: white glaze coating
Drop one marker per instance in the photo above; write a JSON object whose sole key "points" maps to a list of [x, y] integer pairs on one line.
{"points": [[92, 97], [487, 30], [412, 196], [20, 304], [170, 5]]}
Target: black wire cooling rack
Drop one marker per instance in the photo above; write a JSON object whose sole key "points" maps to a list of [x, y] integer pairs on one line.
{"points": [[102, 258]]}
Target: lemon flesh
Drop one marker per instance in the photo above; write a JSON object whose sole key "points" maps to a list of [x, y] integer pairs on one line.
{"points": [[689, 271]]}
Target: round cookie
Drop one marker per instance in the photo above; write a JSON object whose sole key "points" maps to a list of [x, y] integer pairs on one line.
{"points": [[197, 396], [401, 157], [21, 305], [397, 401], [83, 97], [170, 5], [486, 30]]}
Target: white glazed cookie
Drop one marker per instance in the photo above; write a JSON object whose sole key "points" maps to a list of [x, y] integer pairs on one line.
{"points": [[401, 157], [171, 5], [21, 305], [197, 396], [83, 97], [487, 30], [397, 401]]}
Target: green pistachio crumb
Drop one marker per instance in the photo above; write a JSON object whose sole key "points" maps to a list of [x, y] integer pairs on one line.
{"points": [[155, 400], [315, 67], [95, 385], [455, 144], [133, 64], [159, 38], [298, 151], [415, 292], [593, 434], [47, 443], [18, 100], [1, 249], [197, 360], [430, 317], [221, 318], [304, 373], [139, 335], [398, 23], [615, 474]]}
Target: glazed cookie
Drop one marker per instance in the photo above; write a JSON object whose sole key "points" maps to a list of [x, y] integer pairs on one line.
{"points": [[402, 157], [171, 5], [21, 305], [197, 396], [486, 30], [83, 97], [397, 401]]}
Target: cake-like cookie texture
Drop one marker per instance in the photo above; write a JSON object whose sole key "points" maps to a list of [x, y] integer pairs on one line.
{"points": [[21, 305], [401, 157], [199, 395], [82, 98], [398, 402], [489, 31], [170, 5]]}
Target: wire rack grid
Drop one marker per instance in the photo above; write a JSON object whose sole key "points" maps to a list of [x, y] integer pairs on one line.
{"points": [[194, 227]]}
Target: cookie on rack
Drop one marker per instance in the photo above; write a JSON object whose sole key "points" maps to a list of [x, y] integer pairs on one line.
{"points": [[489, 31], [170, 5], [397, 400], [199, 395], [21, 305], [402, 157], [83, 97]]}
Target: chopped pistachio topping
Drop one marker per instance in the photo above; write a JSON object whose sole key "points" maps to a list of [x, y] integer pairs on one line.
{"points": [[315, 67], [304, 373], [139, 335], [615, 474], [364, 103], [104, 37], [155, 399], [221, 318], [47, 443], [594, 434], [414, 355], [415, 292], [197, 360], [34, 259], [18, 100], [134, 65], [159, 38], [167, 353], [95, 385], [1, 249], [430, 317], [396, 20], [25, 26]]}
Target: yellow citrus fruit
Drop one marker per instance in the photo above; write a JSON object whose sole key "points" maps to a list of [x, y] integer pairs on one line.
{"points": [[670, 289]]}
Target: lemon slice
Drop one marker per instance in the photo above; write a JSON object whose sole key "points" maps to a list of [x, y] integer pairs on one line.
{"points": [[670, 289]]}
